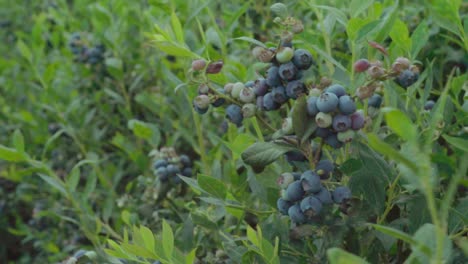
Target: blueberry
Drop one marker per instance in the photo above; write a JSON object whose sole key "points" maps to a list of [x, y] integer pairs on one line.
{"points": [[295, 155], [234, 114], [162, 173], [247, 95], [279, 94], [283, 206], [346, 136], [357, 120], [228, 88], [294, 89], [237, 89], [336, 89], [201, 111], [324, 196], [273, 78], [219, 101], [341, 194], [269, 102], [203, 89], [324, 168], [327, 102], [214, 67], [248, 110], [160, 163], [312, 109], [284, 55], [302, 59], [323, 120], [287, 71], [250, 84], [311, 206], [341, 122], [202, 101], [322, 132], [361, 65], [294, 192], [346, 105], [310, 182], [172, 170], [185, 160], [332, 140], [198, 65], [285, 179], [429, 105], [296, 215], [375, 100], [406, 78], [259, 102], [187, 172], [261, 87]]}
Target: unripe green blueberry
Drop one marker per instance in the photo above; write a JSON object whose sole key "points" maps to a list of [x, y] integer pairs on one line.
{"points": [[262, 54], [287, 126], [228, 88], [236, 90], [401, 64], [202, 101], [284, 55], [285, 179], [247, 95], [323, 120], [248, 110], [346, 136]]}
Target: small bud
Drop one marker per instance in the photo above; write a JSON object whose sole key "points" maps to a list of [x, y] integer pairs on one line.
{"points": [[364, 92], [198, 65], [214, 67]]}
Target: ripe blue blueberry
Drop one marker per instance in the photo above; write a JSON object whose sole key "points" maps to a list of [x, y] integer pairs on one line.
{"points": [[322, 132], [294, 89], [311, 206], [234, 114], [172, 170], [250, 84], [187, 172], [269, 102], [261, 87], [292, 156], [341, 122], [327, 102], [219, 101], [375, 100], [259, 102], [324, 196], [294, 192], [332, 140], [160, 163], [283, 206], [162, 173], [336, 89], [406, 78], [346, 105], [429, 105], [324, 168], [341, 194], [279, 94], [287, 71], [357, 120], [310, 182], [201, 111], [273, 78], [185, 160], [296, 215], [302, 59], [312, 109]]}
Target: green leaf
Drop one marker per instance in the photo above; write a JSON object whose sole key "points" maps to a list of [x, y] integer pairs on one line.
{"points": [[339, 256], [457, 142], [115, 67], [54, 183], [177, 28], [193, 184], [354, 25], [252, 236], [167, 239], [212, 186], [403, 237], [18, 140], [140, 129], [73, 179], [261, 154], [24, 50], [358, 6], [329, 58], [374, 175], [339, 15], [175, 49], [148, 238], [400, 124], [280, 10], [10, 154], [419, 39], [400, 35], [251, 40], [426, 237], [240, 144]]}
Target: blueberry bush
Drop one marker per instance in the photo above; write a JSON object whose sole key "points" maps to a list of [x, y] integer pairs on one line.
{"points": [[234, 132]]}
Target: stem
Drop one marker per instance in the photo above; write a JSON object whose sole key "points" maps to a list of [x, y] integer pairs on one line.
{"points": [[257, 129], [389, 203]]}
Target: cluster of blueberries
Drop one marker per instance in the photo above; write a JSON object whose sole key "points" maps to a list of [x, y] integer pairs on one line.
{"points": [[303, 196], [281, 83], [335, 115], [167, 168], [85, 54]]}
